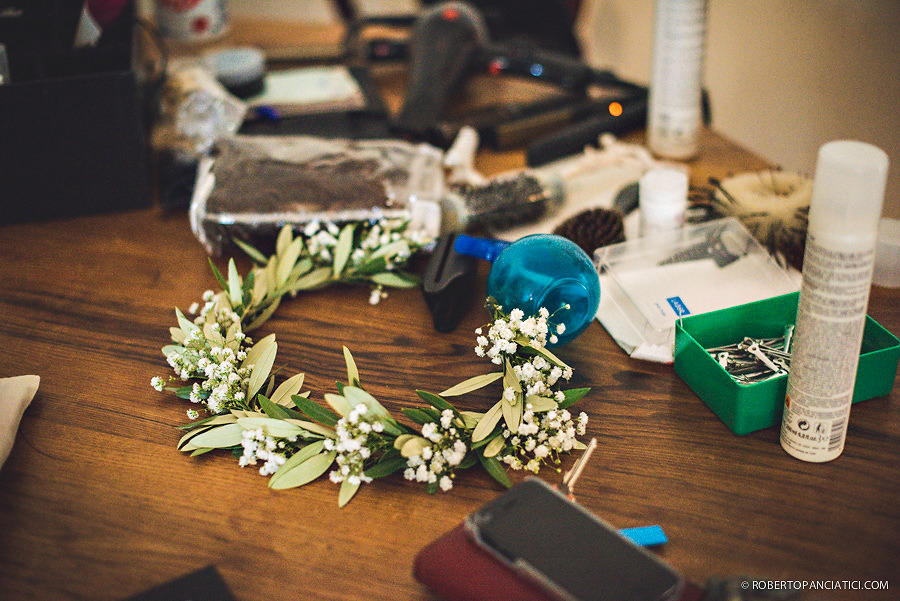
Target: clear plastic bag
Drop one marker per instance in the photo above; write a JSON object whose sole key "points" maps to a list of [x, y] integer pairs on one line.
{"points": [[250, 187]]}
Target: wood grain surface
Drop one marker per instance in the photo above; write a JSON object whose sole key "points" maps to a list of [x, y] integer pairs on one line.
{"points": [[96, 503]]}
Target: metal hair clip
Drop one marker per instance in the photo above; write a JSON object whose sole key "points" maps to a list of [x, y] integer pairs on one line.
{"points": [[755, 360]]}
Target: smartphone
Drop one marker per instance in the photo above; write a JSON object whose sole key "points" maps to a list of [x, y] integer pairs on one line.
{"points": [[536, 531]]}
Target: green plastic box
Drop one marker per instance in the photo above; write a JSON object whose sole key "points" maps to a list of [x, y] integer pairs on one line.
{"points": [[747, 408]]}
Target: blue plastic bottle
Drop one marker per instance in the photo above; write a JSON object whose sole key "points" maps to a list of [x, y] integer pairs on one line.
{"points": [[541, 270]]}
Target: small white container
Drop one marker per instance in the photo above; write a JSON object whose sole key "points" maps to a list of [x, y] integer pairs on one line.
{"points": [[662, 198]]}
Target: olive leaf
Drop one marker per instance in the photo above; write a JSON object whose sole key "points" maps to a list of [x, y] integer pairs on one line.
{"points": [[173, 348], [305, 472], [401, 440], [213, 336], [541, 403], [265, 359], [356, 396], [437, 402], [495, 446], [473, 383], [235, 284], [512, 409], [573, 395], [414, 446], [313, 279], [186, 325], [270, 273], [247, 289], [397, 247], [271, 409], [258, 349], [287, 389], [277, 428], [471, 418], [286, 261], [338, 403], [348, 489], [283, 240], [231, 339], [371, 266], [313, 410], [301, 267], [254, 254], [343, 248], [312, 427], [260, 290], [394, 280], [215, 420], [217, 274], [263, 317], [288, 475], [493, 467], [217, 437], [352, 370], [543, 351], [388, 464], [418, 415], [486, 424]]}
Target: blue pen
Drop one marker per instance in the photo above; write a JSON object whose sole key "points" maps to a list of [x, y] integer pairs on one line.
{"points": [[645, 536], [268, 112]]}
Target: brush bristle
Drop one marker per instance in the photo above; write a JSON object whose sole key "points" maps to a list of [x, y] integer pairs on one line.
{"points": [[773, 205], [508, 201], [593, 228]]}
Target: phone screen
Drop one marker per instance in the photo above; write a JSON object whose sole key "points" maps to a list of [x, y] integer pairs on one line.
{"points": [[534, 528]]}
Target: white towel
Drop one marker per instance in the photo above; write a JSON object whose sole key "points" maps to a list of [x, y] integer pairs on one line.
{"points": [[15, 395]]}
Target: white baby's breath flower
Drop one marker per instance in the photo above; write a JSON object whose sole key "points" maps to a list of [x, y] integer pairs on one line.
{"points": [[436, 462], [376, 295]]}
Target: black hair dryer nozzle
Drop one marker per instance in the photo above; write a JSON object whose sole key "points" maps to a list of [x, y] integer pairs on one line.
{"points": [[445, 40]]}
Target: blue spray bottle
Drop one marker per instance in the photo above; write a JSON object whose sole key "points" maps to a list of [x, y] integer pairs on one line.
{"points": [[541, 270]]}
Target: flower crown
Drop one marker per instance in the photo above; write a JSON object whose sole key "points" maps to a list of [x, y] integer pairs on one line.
{"points": [[228, 379]]}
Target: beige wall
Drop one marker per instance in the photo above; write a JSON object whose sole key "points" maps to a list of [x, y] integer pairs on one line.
{"points": [[784, 76]]}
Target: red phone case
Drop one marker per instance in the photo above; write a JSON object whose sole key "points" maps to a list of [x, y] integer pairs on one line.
{"points": [[457, 569]]}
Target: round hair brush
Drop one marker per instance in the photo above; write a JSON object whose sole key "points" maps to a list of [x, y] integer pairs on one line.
{"points": [[593, 228], [773, 205]]}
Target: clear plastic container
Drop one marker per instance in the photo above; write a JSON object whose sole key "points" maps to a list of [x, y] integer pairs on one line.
{"points": [[649, 283], [253, 186]]}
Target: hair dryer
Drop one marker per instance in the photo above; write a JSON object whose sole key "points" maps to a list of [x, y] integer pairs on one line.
{"points": [[445, 41], [450, 41]]}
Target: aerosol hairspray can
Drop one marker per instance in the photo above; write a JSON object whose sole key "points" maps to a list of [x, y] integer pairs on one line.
{"points": [[848, 193], [674, 102]]}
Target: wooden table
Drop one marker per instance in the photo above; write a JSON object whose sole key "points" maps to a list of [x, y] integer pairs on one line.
{"points": [[96, 502]]}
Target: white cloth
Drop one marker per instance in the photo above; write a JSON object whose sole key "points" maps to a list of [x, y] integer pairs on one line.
{"points": [[15, 395]]}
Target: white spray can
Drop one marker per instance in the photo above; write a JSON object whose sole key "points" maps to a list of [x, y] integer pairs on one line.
{"points": [[847, 198], [674, 103]]}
